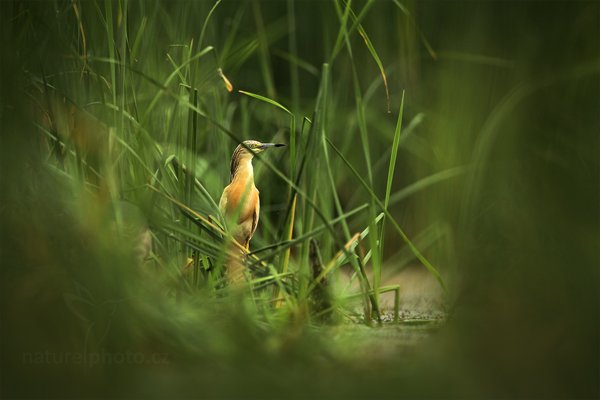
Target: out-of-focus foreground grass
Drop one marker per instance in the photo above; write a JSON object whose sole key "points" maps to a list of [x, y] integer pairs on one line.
{"points": [[495, 184]]}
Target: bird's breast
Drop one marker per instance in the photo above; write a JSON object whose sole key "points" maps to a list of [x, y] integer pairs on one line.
{"points": [[242, 198]]}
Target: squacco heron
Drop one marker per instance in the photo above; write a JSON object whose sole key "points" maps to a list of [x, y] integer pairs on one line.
{"points": [[240, 203]]}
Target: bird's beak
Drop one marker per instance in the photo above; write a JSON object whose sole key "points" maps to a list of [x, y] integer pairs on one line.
{"points": [[267, 145]]}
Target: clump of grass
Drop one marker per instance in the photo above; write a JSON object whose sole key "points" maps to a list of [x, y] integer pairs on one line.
{"points": [[181, 201], [166, 118]]}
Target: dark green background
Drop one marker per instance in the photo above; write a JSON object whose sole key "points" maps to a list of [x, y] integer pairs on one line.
{"points": [[513, 93]]}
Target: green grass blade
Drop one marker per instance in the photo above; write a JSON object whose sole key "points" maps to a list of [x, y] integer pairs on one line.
{"points": [[205, 24], [424, 40], [424, 183], [265, 62], [375, 56], [394, 155], [267, 100]]}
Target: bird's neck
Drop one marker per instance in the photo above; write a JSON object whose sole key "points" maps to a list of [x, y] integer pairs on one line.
{"points": [[244, 173]]}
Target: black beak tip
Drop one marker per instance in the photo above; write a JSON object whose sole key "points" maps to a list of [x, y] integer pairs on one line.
{"points": [[279, 145]]}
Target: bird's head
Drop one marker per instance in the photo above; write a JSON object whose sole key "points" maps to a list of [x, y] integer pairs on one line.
{"points": [[246, 151], [256, 147]]}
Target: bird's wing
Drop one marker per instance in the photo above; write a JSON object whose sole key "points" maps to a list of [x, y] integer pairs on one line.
{"points": [[255, 213], [223, 201]]}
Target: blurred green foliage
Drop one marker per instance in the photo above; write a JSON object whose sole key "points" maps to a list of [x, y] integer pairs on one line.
{"points": [[497, 174]]}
